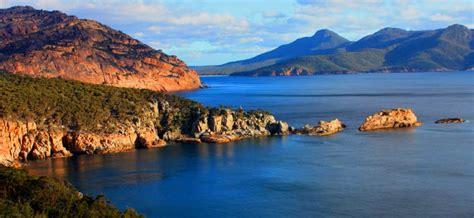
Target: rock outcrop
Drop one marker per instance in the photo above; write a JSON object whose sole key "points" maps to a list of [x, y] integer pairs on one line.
{"points": [[148, 138], [41, 118], [225, 125], [393, 118], [218, 138], [279, 128], [52, 44], [450, 120], [323, 128], [21, 140], [25, 140]]}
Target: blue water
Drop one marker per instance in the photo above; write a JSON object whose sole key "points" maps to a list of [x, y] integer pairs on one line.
{"points": [[422, 172]]}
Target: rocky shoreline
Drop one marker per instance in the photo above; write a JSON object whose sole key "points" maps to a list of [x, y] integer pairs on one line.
{"points": [[26, 140], [22, 140]]}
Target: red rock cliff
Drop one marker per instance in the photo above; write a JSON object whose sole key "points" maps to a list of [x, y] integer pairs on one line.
{"points": [[52, 44]]}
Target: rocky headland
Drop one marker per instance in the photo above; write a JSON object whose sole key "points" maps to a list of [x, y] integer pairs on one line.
{"points": [[41, 118], [54, 45]]}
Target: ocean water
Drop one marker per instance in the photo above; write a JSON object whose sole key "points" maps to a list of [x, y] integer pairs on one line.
{"points": [[423, 172]]}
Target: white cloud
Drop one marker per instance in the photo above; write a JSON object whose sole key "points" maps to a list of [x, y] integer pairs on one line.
{"points": [[250, 39], [201, 35], [273, 15], [409, 13], [442, 18], [138, 34]]}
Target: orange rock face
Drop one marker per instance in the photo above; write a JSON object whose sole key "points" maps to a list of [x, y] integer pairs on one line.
{"points": [[324, 128], [22, 140], [218, 138], [52, 44], [394, 118]]}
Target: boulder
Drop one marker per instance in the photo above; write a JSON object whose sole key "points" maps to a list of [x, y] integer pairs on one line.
{"points": [[172, 135], [147, 138], [450, 120], [228, 120], [201, 125], [189, 140], [393, 118], [218, 138], [27, 144], [278, 128], [41, 147], [323, 128], [57, 146], [215, 123]]}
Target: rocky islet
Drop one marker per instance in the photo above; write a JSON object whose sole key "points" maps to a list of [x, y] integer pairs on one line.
{"points": [[391, 118]]}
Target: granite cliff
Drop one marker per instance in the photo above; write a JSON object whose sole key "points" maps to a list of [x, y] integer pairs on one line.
{"points": [[41, 118], [52, 44]]}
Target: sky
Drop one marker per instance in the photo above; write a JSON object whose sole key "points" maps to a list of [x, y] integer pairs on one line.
{"points": [[209, 32]]}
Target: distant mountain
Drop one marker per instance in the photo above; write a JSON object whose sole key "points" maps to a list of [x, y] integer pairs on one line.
{"points": [[322, 42], [387, 50], [52, 44]]}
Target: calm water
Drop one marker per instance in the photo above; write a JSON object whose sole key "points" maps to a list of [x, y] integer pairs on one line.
{"points": [[422, 172]]}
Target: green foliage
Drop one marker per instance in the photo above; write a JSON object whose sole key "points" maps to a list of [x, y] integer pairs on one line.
{"points": [[341, 62], [388, 49], [80, 106], [22, 195]]}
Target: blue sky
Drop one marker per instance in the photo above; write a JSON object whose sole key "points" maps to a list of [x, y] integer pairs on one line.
{"points": [[215, 32]]}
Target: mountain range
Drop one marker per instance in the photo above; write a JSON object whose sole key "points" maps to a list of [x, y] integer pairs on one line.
{"points": [[52, 44], [387, 50]]}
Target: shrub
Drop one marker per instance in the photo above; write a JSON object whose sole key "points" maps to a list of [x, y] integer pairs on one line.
{"points": [[23, 195], [80, 106]]}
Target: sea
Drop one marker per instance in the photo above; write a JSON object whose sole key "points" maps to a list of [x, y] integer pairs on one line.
{"points": [[426, 171]]}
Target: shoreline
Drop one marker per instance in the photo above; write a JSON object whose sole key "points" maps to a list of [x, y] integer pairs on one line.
{"points": [[62, 144], [341, 73]]}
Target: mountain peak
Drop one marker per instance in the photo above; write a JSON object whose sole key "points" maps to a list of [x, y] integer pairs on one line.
{"points": [[456, 33], [54, 44], [457, 27], [20, 8], [390, 30], [324, 32]]}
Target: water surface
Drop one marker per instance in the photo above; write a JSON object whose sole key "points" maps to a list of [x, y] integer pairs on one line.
{"points": [[422, 172]]}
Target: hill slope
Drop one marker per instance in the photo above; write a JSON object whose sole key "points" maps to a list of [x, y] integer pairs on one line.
{"points": [[322, 42], [388, 50], [52, 44]]}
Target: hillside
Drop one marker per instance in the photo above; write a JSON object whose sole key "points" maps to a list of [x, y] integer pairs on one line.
{"points": [[322, 42], [52, 44], [387, 50]]}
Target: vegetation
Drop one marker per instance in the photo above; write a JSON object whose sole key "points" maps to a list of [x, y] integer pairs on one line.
{"points": [[388, 49], [80, 106], [341, 62], [322, 42], [23, 195]]}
